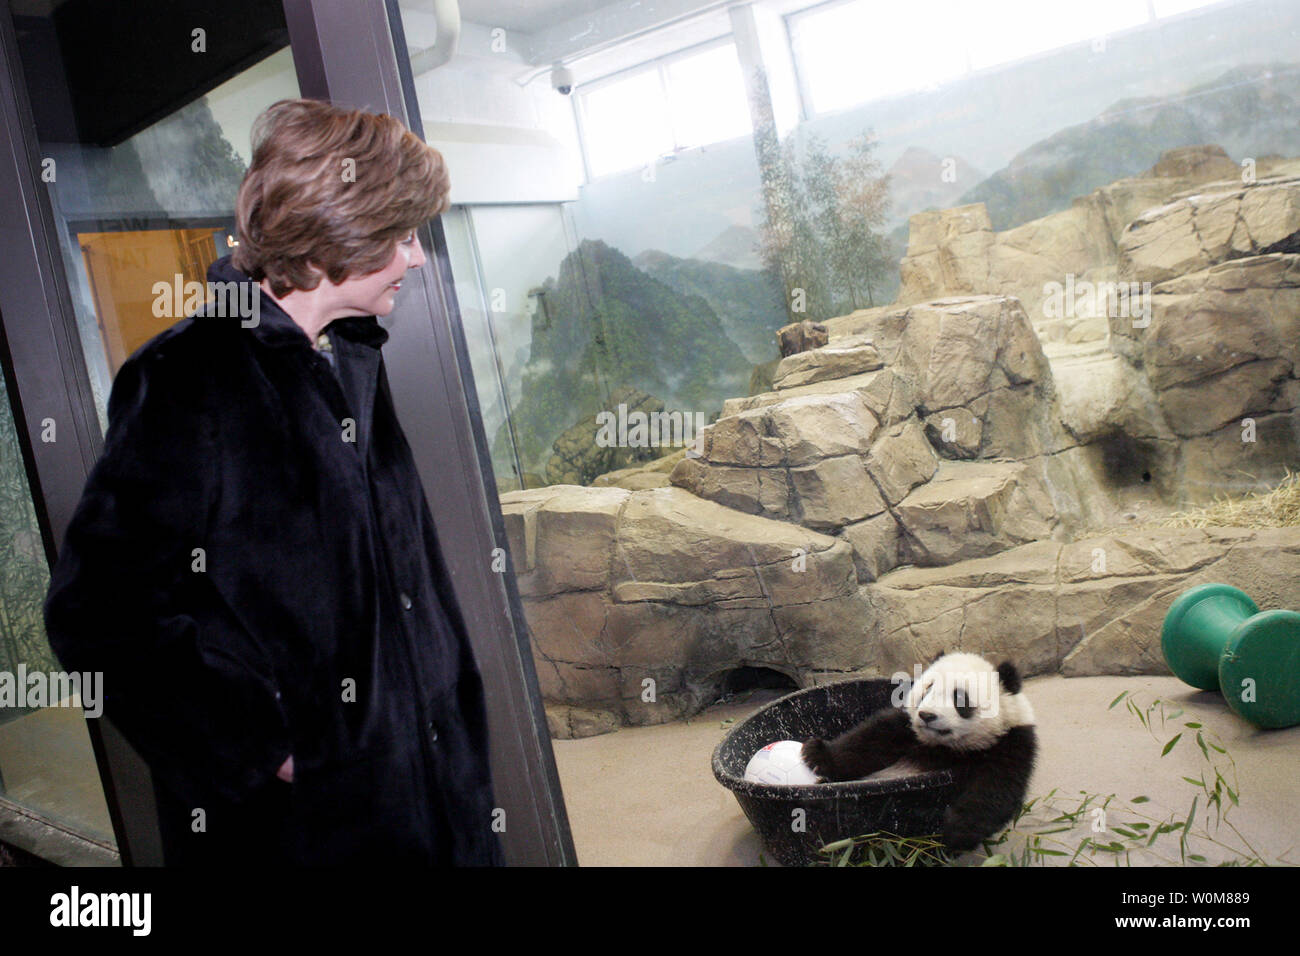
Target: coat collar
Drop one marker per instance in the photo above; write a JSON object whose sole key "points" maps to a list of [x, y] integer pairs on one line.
{"points": [[276, 328]]}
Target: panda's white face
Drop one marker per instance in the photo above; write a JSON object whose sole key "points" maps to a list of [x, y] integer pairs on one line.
{"points": [[959, 703]]}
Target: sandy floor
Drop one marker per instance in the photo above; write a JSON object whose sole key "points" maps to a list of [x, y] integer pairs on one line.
{"points": [[646, 796]]}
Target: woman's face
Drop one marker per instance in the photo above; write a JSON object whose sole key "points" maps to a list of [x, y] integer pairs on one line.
{"points": [[374, 294]]}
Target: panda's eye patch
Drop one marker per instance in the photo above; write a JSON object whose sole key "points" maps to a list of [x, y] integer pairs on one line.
{"points": [[962, 704]]}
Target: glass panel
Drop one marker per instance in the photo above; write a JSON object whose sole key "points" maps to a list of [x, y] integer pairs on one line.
{"points": [[152, 206], [495, 250], [46, 760], [144, 140], [1051, 250]]}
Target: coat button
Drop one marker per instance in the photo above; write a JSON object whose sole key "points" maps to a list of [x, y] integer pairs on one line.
{"points": [[433, 731], [406, 601]]}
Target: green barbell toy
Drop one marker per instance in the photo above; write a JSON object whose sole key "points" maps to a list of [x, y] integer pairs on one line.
{"points": [[1216, 638]]}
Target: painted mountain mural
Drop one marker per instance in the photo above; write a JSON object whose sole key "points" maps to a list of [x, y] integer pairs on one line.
{"points": [[920, 180], [606, 325], [747, 301], [1248, 111]]}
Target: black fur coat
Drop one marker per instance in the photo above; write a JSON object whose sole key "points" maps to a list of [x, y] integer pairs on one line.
{"points": [[254, 570]]}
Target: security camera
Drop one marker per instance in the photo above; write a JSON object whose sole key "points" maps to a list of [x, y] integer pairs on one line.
{"points": [[562, 79]]}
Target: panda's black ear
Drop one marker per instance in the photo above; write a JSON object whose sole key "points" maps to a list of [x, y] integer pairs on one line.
{"points": [[1010, 677]]}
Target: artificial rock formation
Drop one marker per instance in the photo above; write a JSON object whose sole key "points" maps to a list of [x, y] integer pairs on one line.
{"points": [[916, 481], [956, 251], [1212, 226], [800, 337], [638, 601], [758, 552], [1222, 359], [1088, 607]]}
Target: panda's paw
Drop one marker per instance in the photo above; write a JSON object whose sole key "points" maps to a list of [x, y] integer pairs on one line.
{"points": [[961, 839], [817, 755]]}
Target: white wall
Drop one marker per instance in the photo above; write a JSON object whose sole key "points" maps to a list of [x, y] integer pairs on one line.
{"points": [[505, 139]]}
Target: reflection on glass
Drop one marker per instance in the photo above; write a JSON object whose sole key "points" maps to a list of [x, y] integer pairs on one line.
{"points": [[153, 207], [46, 762], [123, 269]]}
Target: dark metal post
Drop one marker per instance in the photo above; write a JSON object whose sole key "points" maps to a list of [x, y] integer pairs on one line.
{"points": [[353, 54]]}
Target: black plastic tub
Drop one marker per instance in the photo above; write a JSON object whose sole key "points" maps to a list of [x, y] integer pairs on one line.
{"points": [[908, 806]]}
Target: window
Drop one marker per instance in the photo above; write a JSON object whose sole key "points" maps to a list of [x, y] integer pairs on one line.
{"points": [[860, 51], [707, 93], [1008, 30], [1171, 8], [671, 105], [855, 52]]}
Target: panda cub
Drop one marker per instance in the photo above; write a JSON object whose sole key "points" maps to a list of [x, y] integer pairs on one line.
{"points": [[963, 715]]}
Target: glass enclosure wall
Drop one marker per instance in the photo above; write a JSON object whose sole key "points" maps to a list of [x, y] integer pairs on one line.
{"points": [[495, 251], [1047, 249], [47, 766]]}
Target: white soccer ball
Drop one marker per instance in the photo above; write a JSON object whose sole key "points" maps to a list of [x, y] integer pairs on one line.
{"points": [[780, 763]]}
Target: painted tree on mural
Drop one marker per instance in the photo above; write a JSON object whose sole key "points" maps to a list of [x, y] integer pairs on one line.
{"points": [[24, 575], [822, 222]]}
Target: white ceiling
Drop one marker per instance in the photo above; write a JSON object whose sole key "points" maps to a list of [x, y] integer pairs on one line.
{"points": [[526, 16], [547, 31]]}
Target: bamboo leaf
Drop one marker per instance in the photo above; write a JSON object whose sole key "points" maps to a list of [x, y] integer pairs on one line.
{"points": [[1079, 849], [1140, 800], [1122, 695], [1187, 828], [1137, 712], [1170, 746]]}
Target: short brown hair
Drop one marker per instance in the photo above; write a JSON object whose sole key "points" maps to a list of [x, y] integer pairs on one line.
{"points": [[334, 189]]}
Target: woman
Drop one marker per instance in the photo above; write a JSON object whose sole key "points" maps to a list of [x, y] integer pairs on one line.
{"points": [[253, 566]]}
